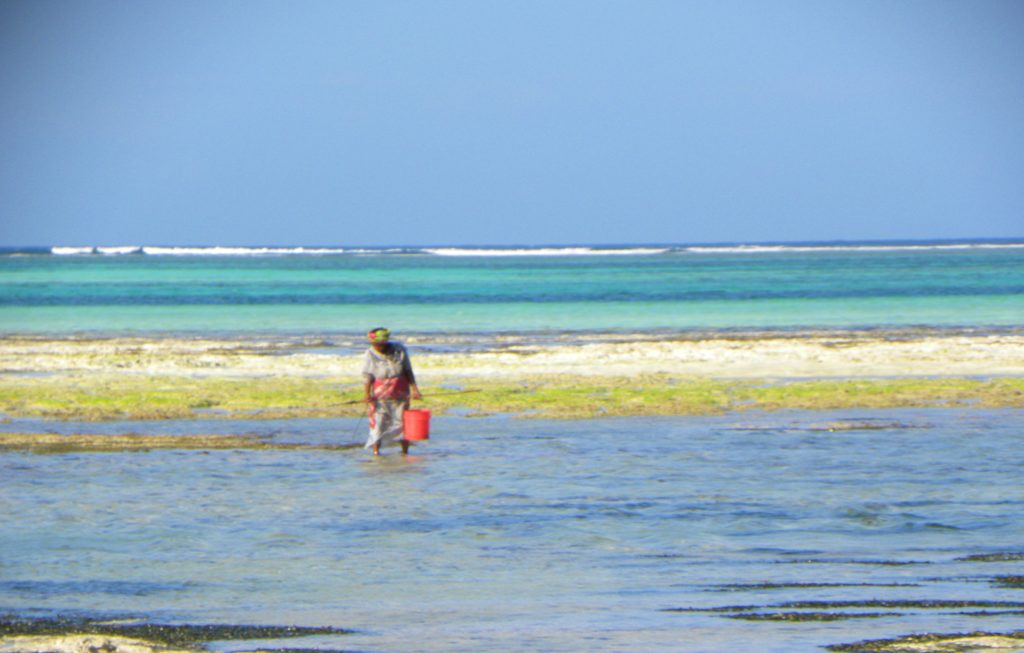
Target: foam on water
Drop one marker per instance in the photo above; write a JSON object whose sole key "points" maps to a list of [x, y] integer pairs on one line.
{"points": [[543, 251], [241, 251], [547, 251], [903, 247]]}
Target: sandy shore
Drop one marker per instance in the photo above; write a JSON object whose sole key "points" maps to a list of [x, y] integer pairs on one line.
{"points": [[70, 635], [848, 355], [89, 643], [175, 378], [74, 643]]}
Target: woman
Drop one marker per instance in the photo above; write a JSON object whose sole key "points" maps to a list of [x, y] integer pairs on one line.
{"points": [[389, 378]]}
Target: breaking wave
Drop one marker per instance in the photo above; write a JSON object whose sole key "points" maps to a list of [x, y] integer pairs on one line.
{"points": [[549, 250]]}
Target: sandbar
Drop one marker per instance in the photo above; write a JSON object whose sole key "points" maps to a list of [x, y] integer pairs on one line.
{"points": [[85, 378], [846, 354]]}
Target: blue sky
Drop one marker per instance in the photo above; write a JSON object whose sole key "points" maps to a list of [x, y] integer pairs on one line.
{"points": [[519, 122]]}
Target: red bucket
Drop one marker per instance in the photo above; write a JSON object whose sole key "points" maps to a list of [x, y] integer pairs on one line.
{"points": [[416, 424]]}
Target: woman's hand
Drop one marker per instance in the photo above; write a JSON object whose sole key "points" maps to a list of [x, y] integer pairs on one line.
{"points": [[416, 393]]}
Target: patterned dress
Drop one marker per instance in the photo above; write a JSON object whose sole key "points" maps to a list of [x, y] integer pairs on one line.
{"points": [[391, 375]]}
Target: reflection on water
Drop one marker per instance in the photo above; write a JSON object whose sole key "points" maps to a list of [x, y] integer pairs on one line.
{"points": [[601, 535]]}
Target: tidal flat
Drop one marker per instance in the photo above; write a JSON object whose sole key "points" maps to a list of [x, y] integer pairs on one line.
{"points": [[587, 497], [99, 379], [104, 397], [131, 635], [975, 642], [52, 443]]}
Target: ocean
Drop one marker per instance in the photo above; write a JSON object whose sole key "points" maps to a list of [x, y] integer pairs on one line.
{"points": [[483, 293], [776, 532]]}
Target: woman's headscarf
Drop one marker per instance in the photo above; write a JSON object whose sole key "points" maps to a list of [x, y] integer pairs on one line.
{"points": [[379, 334]]}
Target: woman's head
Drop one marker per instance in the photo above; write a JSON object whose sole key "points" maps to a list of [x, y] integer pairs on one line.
{"points": [[379, 337]]}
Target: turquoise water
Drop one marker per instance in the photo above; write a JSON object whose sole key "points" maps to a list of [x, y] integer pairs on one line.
{"points": [[503, 534], [417, 292], [524, 535]]}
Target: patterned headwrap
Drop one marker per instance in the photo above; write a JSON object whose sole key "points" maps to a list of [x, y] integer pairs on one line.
{"points": [[379, 335]]}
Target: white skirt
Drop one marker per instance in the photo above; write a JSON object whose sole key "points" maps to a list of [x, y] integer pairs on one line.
{"points": [[386, 422]]}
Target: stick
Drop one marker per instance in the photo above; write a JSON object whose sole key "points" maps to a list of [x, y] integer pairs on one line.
{"points": [[436, 394]]}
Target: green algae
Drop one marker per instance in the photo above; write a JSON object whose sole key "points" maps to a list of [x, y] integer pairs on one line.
{"points": [[182, 635], [111, 397], [1012, 582], [887, 393], [96, 398], [810, 616], [992, 557], [931, 604], [850, 561], [742, 587], [824, 611], [990, 613], [925, 604], [49, 443], [569, 398]]}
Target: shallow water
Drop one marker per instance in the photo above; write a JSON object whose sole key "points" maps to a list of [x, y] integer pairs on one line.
{"points": [[505, 534], [765, 288]]}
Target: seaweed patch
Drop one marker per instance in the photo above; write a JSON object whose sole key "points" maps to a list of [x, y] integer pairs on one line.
{"points": [[1012, 582], [746, 587], [842, 561], [822, 611], [172, 393], [49, 443], [190, 636], [927, 604], [992, 557], [809, 616]]}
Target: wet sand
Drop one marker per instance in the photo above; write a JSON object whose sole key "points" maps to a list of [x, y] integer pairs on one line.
{"points": [[733, 356], [936, 643], [173, 378], [96, 635]]}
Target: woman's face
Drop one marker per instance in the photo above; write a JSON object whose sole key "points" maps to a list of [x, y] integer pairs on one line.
{"points": [[380, 347]]}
